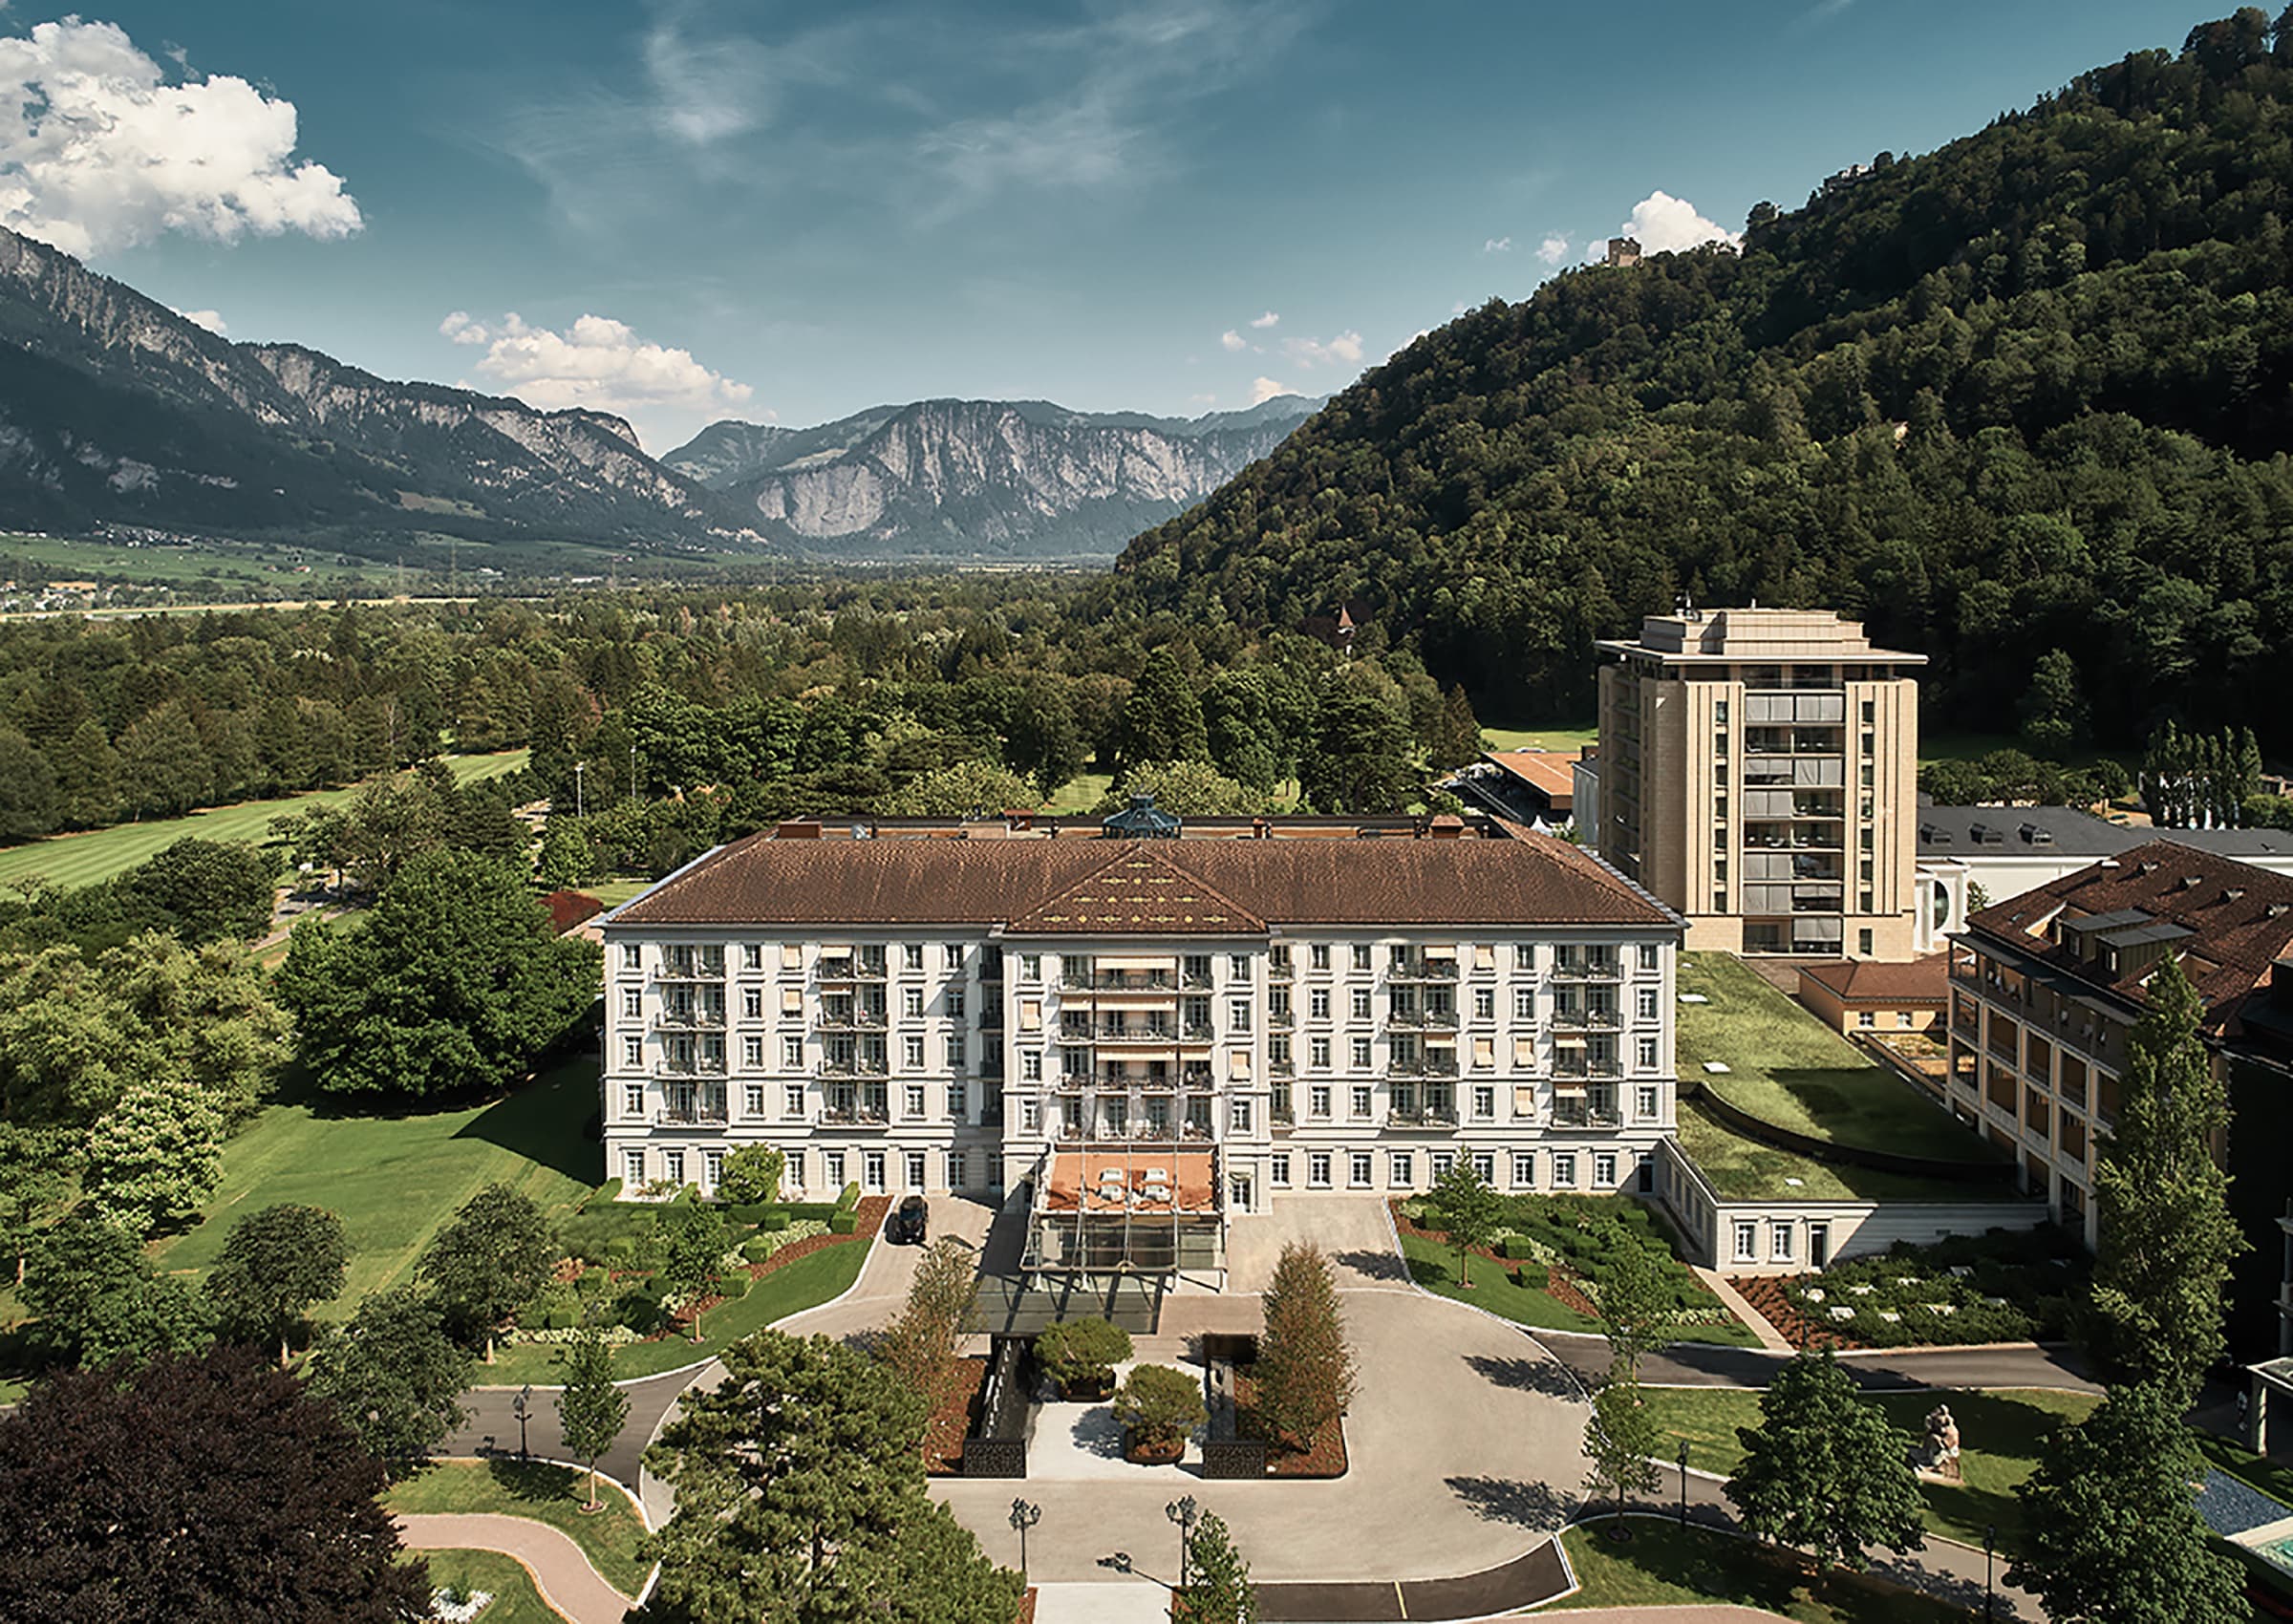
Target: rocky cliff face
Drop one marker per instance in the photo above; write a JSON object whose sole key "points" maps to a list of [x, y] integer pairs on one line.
{"points": [[1018, 479], [114, 408]]}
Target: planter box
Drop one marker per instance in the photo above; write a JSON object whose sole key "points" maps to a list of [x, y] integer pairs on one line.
{"points": [[1140, 1453]]}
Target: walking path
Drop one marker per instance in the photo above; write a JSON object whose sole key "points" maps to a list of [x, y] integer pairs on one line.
{"points": [[560, 1571], [1755, 1321]]}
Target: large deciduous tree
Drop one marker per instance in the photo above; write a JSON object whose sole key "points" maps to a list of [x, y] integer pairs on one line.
{"points": [[196, 1487], [2111, 1529], [455, 984], [97, 1300], [1304, 1376], [155, 1158], [200, 891], [1633, 1299], [1825, 1471], [2162, 1268], [40, 1173], [490, 1257], [1360, 759], [693, 1243], [395, 1376], [1161, 718], [752, 1176], [800, 1497], [275, 1265]]}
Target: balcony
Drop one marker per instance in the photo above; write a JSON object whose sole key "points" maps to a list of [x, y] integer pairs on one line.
{"points": [[1439, 1020], [864, 1065], [1427, 1117], [1406, 1065], [840, 1020], [1441, 1063], [1575, 1069], [701, 1067], [1135, 981], [703, 1114], [1579, 1114], [1585, 1020], [1202, 1032], [1196, 980], [1195, 1130], [697, 969], [1150, 1032], [1567, 968], [1281, 1068], [1424, 970], [842, 966], [855, 1116], [694, 1020], [1281, 1021], [1280, 969]]}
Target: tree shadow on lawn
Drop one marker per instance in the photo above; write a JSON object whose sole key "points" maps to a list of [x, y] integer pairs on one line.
{"points": [[1547, 1377], [1513, 1499], [1726, 1568], [534, 1483], [543, 1122]]}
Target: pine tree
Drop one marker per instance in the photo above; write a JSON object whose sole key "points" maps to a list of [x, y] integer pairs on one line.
{"points": [[2109, 1527], [1304, 1376], [1621, 1437], [1457, 740], [1220, 1590], [1824, 1471], [2167, 1239], [591, 1410]]}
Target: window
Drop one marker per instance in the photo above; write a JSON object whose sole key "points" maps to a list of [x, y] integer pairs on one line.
{"points": [[1398, 1171], [752, 1100], [1362, 1102], [1031, 1115], [1604, 1170], [1237, 966], [1748, 1241], [1317, 1170], [672, 1166], [1871, 711], [871, 1164], [1360, 1003], [752, 955], [1647, 1053], [632, 1051], [951, 956], [995, 1169], [1031, 1065], [1647, 955], [1485, 1003], [632, 1169], [1318, 1099], [633, 1100], [1318, 955], [792, 1099], [1031, 967], [959, 1099], [711, 1168], [1361, 955], [1779, 1241], [1718, 712], [1239, 1117], [1645, 1004], [1485, 1101], [1564, 1170], [1317, 1003], [633, 1003], [912, 1103], [792, 1053], [955, 1003], [1317, 1053], [833, 1162], [1358, 1169], [1438, 1164], [911, 1001], [633, 956], [1524, 955], [912, 1052], [1277, 1168], [1645, 1099], [752, 1003], [1864, 937], [1361, 1053], [1524, 1003], [1867, 1017], [1237, 1014], [915, 1169], [912, 955], [1523, 1169], [1485, 1166], [956, 1054], [752, 1052]]}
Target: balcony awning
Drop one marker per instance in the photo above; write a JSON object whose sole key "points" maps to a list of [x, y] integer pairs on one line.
{"points": [[1134, 961], [1571, 1090]]}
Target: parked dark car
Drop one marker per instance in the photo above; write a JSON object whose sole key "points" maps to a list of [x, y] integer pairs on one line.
{"points": [[910, 1221]]}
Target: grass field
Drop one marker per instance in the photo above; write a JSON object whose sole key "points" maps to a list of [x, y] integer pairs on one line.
{"points": [[505, 1578], [1662, 1565], [1743, 1169], [614, 892], [1787, 1068], [395, 1179], [544, 1494], [89, 859], [285, 572], [1079, 793], [1434, 1267], [806, 1283], [1539, 737], [2000, 1434]]}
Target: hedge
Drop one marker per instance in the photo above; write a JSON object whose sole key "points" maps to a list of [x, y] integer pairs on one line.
{"points": [[850, 1199], [843, 1224], [734, 1287]]}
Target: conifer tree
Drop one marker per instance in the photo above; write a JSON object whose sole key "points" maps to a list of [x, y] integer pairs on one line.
{"points": [[1304, 1374], [1220, 1591]]}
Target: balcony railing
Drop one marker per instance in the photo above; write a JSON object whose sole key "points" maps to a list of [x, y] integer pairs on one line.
{"points": [[692, 1019], [1424, 970], [1440, 1064], [704, 1067], [697, 969], [1567, 1114], [1587, 969], [1427, 1116], [1585, 1020], [1135, 981], [700, 1115], [1112, 1033], [855, 1116], [1281, 1021]]}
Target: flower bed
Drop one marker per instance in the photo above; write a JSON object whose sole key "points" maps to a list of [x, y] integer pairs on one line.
{"points": [[953, 1402], [1324, 1458], [2002, 1287]]}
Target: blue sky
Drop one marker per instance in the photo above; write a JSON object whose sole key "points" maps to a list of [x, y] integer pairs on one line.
{"points": [[682, 211]]}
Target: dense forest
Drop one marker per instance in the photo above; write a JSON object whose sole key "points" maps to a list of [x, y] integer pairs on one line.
{"points": [[2030, 392]]}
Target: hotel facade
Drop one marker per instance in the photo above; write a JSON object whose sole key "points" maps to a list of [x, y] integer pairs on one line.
{"points": [[1169, 1028]]}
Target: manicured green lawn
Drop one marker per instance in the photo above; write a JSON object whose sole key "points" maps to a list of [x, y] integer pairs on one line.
{"points": [[1787, 1068], [1998, 1434], [1434, 1267], [614, 892], [1539, 737], [503, 1577], [1079, 793], [1662, 1565], [544, 1493], [1745, 1169], [100, 854], [806, 1283], [395, 1179]]}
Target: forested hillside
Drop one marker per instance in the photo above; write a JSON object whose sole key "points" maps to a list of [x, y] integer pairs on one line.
{"points": [[2031, 392]]}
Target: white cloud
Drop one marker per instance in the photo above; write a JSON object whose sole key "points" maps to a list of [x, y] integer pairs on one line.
{"points": [[1265, 389], [1233, 341], [1202, 400], [1553, 248], [211, 320], [99, 150], [597, 363], [1498, 246], [1663, 224], [1346, 347], [1264, 321]]}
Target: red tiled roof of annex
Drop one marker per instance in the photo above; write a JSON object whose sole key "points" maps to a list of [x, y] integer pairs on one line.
{"points": [[1552, 773], [1919, 982], [2241, 918], [1088, 885]]}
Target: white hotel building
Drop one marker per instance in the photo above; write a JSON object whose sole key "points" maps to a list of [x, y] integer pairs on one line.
{"points": [[1147, 1031]]}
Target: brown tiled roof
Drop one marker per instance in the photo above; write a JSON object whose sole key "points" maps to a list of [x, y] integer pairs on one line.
{"points": [[1547, 771], [2241, 917], [1921, 981], [1220, 887]]}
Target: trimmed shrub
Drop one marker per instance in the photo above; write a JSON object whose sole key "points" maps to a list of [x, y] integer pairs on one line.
{"points": [[848, 1198], [820, 1210], [640, 1310], [1160, 1404], [843, 1224], [775, 1220], [1083, 1353], [621, 1252], [733, 1286], [593, 1282], [1522, 1249], [757, 1249]]}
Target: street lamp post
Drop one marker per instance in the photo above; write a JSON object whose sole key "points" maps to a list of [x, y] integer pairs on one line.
{"points": [[1990, 1537], [577, 805], [1024, 1515], [1184, 1513], [519, 1406], [1684, 1484]]}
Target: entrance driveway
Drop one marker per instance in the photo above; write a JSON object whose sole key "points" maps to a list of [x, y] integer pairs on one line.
{"points": [[1352, 1229]]}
